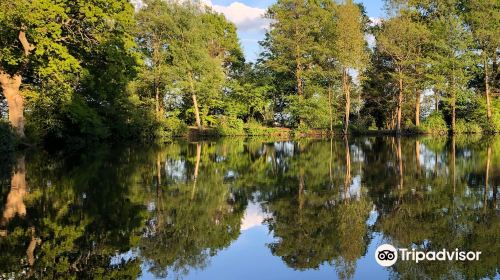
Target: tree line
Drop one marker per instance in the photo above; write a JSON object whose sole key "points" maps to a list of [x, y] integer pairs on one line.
{"points": [[79, 71]]}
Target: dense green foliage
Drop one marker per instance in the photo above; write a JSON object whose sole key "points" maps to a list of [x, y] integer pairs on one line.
{"points": [[77, 69], [433, 54], [83, 71]]}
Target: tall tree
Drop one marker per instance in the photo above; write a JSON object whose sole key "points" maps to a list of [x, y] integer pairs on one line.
{"points": [[154, 32], [188, 48], [483, 17], [327, 60], [203, 49], [450, 56], [223, 48], [290, 41], [351, 48], [379, 90], [402, 40]]}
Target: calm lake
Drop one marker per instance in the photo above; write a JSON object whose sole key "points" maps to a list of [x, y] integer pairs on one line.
{"points": [[252, 209]]}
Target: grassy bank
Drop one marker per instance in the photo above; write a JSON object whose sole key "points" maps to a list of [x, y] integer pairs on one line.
{"points": [[283, 132]]}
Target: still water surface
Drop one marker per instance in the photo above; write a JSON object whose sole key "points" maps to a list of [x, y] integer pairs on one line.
{"points": [[251, 209]]}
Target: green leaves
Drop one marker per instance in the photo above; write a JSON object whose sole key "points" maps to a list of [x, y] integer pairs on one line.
{"points": [[350, 42], [130, 70], [188, 50], [81, 49], [307, 48]]}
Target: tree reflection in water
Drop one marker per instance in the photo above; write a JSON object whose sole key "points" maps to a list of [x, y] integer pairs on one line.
{"points": [[117, 212]]}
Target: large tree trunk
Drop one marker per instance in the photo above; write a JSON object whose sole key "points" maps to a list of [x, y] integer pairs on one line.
{"points": [[453, 111], [11, 85], [453, 100], [15, 100], [487, 89], [330, 108], [417, 108], [196, 111], [157, 99], [300, 86], [400, 103], [347, 93]]}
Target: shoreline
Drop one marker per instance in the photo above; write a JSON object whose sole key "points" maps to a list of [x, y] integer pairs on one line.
{"points": [[211, 132]]}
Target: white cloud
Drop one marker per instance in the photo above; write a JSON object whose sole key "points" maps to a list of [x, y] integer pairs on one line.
{"points": [[253, 216], [246, 18], [375, 21], [249, 21]]}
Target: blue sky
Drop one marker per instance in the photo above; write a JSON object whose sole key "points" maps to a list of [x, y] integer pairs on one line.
{"points": [[251, 27]]}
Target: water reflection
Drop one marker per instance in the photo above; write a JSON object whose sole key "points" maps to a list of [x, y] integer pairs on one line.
{"points": [[176, 211]]}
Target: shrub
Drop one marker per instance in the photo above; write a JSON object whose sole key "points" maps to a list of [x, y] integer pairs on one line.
{"points": [[363, 123], [313, 112], [253, 128], [84, 122], [479, 116], [410, 128], [302, 129], [464, 127], [229, 126], [492, 126], [171, 127], [435, 124], [164, 129]]}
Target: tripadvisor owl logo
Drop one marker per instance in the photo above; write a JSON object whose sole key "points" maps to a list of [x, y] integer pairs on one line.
{"points": [[387, 255]]}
